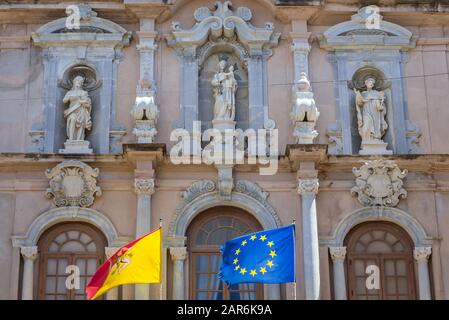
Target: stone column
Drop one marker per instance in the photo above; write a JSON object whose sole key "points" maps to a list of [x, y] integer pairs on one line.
{"points": [[338, 255], [308, 188], [144, 189], [178, 256], [111, 294], [29, 255], [422, 255]]}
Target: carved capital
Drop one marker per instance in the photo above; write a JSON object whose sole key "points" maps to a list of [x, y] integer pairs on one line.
{"points": [[308, 186], [178, 253], [145, 186], [29, 253], [73, 184], [422, 253], [337, 253]]}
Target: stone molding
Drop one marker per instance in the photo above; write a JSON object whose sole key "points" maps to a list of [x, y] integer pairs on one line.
{"points": [[337, 253], [379, 183], [394, 215], [69, 214], [308, 186], [144, 186], [29, 253], [109, 251], [202, 195], [422, 253], [73, 184]]}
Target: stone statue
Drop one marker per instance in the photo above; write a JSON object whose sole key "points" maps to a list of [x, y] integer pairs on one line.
{"points": [[371, 111], [224, 88], [305, 113], [78, 112]]}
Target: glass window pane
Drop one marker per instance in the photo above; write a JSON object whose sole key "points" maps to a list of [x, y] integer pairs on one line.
{"points": [[73, 234], [50, 285], [215, 262], [91, 247], [51, 266], [389, 268], [54, 247], [72, 246], [91, 266], [202, 263], [61, 287], [391, 285], [401, 269], [85, 238], [61, 238], [201, 295], [359, 268], [62, 264], [402, 285]]}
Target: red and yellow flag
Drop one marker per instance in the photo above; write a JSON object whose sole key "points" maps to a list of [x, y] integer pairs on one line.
{"points": [[137, 262]]}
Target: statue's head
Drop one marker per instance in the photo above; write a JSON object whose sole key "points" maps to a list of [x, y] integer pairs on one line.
{"points": [[78, 82], [370, 82], [222, 65], [303, 82]]}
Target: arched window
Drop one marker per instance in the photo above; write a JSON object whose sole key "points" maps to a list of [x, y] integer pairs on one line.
{"points": [[71, 244], [206, 234], [380, 251]]}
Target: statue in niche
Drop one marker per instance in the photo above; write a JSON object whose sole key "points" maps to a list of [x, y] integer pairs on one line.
{"points": [[78, 112], [371, 111], [224, 88]]}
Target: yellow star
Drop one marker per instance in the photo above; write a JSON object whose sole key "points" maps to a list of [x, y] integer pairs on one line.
{"points": [[253, 272], [253, 237], [270, 243], [243, 271], [236, 260], [237, 252], [263, 238], [263, 270], [273, 253], [236, 268], [270, 263], [243, 242]]}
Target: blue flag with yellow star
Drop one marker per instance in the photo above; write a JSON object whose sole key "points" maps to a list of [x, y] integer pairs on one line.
{"points": [[264, 257]]}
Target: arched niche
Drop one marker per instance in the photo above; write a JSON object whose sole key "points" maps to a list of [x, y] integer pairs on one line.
{"points": [[356, 45], [96, 46], [225, 29]]}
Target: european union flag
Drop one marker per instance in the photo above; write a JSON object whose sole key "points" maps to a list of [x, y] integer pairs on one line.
{"points": [[265, 257]]}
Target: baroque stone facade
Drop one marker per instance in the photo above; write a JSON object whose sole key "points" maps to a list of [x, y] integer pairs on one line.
{"points": [[340, 123]]}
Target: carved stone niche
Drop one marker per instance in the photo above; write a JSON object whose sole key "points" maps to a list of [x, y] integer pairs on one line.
{"points": [[93, 50], [356, 47], [379, 183], [224, 30], [73, 184]]}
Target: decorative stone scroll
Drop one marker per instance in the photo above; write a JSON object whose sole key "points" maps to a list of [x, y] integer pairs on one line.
{"points": [[308, 186], [73, 184], [379, 183]]}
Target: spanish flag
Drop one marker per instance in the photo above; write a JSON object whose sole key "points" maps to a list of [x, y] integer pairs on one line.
{"points": [[137, 262]]}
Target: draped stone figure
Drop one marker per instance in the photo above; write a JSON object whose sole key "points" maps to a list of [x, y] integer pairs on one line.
{"points": [[78, 118], [371, 112], [224, 88], [78, 112]]}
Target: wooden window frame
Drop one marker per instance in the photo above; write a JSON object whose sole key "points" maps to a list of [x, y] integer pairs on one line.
{"points": [[196, 250], [47, 238], [407, 256]]}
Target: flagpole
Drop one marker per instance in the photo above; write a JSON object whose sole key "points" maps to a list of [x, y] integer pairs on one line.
{"points": [[294, 260], [162, 260]]}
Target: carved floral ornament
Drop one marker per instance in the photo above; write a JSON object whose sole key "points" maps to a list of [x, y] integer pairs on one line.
{"points": [[379, 183], [73, 184], [223, 22]]}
